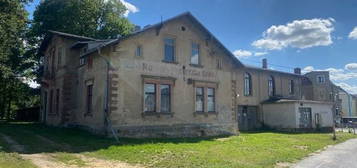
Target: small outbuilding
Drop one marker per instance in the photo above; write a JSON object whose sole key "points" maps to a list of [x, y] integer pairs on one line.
{"points": [[287, 114]]}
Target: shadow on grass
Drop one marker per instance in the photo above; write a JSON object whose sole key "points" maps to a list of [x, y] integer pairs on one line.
{"points": [[38, 138]]}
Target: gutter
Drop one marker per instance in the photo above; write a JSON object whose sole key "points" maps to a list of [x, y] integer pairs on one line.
{"points": [[107, 119]]}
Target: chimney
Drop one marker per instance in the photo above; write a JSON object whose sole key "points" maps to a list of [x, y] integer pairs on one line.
{"points": [[297, 71], [265, 63]]}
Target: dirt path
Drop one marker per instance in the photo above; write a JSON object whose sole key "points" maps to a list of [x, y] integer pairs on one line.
{"points": [[48, 160]]}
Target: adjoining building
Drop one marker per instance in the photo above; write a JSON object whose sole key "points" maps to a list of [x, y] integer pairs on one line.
{"points": [[170, 79]]}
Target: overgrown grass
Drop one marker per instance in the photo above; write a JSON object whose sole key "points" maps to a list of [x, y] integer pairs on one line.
{"points": [[260, 149]]}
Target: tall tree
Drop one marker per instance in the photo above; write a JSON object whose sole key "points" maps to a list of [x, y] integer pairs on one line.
{"points": [[93, 18], [15, 64]]}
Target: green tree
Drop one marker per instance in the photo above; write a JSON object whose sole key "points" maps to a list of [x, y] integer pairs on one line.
{"points": [[16, 63], [92, 18]]}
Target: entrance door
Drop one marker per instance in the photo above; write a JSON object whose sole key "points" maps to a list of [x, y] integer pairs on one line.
{"points": [[305, 117], [247, 117]]}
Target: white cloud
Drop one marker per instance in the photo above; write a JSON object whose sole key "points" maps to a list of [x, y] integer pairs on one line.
{"points": [[349, 88], [242, 53], [297, 34], [307, 69], [353, 34], [335, 74], [246, 53], [130, 8], [260, 53], [351, 66]]}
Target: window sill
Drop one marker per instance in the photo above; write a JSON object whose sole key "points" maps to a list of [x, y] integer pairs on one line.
{"points": [[157, 114], [196, 65], [170, 62], [205, 113]]}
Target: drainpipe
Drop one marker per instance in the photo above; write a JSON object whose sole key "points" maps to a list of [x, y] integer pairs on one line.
{"points": [[107, 120]]}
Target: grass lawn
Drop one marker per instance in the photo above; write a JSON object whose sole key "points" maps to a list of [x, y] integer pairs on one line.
{"points": [[11, 160], [260, 149]]}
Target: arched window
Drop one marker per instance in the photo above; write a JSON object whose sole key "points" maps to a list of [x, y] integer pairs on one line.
{"points": [[247, 84], [271, 86]]}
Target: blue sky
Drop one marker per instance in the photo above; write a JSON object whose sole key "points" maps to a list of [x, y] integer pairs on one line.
{"points": [[311, 34]]}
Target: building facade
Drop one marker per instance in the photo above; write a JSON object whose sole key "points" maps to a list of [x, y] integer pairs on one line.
{"points": [[170, 79]]}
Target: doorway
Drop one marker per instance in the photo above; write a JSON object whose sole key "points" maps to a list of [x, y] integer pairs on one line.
{"points": [[305, 117], [247, 118]]}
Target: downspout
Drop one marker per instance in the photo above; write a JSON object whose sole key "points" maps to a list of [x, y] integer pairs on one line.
{"points": [[349, 105], [107, 119]]}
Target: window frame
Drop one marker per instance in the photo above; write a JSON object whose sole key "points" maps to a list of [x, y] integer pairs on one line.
{"points": [[140, 53], [247, 76], [214, 99], [89, 99], [202, 97], [318, 77], [57, 101], [271, 82], [291, 87], [205, 86], [158, 82], [198, 54], [174, 49], [59, 56]]}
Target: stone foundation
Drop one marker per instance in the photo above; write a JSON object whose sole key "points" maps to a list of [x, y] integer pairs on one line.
{"points": [[177, 130]]}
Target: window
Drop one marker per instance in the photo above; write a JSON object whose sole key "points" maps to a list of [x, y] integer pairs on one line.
{"points": [[157, 95], [89, 98], [195, 54], [169, 50], [138, 51], [59, 56], [205, 98], [219, 63], [210, 99], [82, 61], [199, 99], [57, 101], [320, 79], [247, 84], [291, 87], [165, 98], [150, 97], [51, 102], [271, 86]]}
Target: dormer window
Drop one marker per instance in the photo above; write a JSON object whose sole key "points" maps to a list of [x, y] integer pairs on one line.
{"points": [[320, 79]]}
